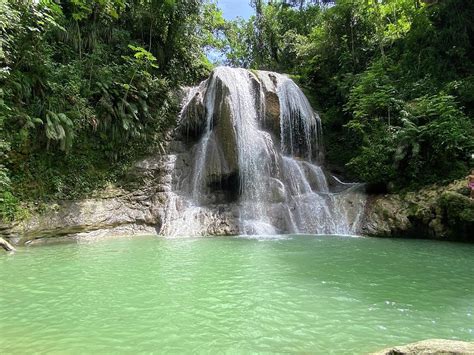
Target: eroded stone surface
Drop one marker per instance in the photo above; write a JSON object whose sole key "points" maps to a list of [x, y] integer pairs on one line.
{"points": [[153, 186], [87, 216], [432, 347], [437, 212]]}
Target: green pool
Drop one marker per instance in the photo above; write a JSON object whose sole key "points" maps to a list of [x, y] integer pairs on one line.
{"points": [[320, 294]]}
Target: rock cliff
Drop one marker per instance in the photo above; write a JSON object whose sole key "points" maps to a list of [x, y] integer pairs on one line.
{"points": [[435, 212], [246, 157]]}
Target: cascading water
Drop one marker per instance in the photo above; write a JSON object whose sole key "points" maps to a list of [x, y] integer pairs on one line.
{"points": [[254, 162]]}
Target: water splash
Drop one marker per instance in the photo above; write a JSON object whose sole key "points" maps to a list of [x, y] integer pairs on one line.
{"points": [[300, 126], [257, 152]]}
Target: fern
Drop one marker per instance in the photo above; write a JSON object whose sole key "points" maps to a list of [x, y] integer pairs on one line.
{"points": [[59, 128]]}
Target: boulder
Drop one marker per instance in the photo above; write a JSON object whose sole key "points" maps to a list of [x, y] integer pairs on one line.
{"points": [[436, 212], [432, 347]]}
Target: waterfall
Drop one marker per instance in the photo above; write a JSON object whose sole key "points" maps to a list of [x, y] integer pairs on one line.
{"points": [[255, 162]]}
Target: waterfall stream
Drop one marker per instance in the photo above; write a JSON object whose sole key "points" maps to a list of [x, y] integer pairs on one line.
{"points": [[255, 162]]}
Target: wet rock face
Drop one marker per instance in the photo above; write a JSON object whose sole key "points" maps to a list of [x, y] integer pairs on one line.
{"points": [[225, 138], [244, 158], [271, 100], [272, 113], [257, 138], [120, 215], [134, 210], [195, 116]]}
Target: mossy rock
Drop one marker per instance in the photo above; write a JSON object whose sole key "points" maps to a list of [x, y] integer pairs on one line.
{"points": [[435, 212], [458, 215]]}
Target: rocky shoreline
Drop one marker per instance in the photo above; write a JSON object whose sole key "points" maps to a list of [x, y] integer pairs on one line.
{"points": [[150, 195], [435, 212]]}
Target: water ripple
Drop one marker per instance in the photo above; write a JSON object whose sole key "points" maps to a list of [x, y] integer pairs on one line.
{"points": [[285, 294]]}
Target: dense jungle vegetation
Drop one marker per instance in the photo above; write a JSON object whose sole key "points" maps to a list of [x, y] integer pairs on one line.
{"points": [[392, 79], [87, 86]]}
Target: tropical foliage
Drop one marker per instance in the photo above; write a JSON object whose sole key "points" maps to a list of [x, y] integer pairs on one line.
{"points": [[393, 80], [86, 86]]}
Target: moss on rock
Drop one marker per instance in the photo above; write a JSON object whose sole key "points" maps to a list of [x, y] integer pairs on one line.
{"points": [[458, 215], [435, 212]]}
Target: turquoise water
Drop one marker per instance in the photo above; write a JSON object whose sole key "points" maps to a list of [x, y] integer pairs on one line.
{"points": [[288, 294]]}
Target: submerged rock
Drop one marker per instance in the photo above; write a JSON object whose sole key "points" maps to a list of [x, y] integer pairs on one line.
{"points": [[431, 346]]}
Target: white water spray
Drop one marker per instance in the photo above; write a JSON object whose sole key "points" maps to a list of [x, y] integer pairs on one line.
{"points": [[257, 158]]}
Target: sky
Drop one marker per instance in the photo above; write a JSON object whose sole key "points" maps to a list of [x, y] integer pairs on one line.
{"points": [[231, 10], [235, 8]]}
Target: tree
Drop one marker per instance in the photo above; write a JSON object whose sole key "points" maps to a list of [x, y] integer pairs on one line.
{"points": [[87, 86]]}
